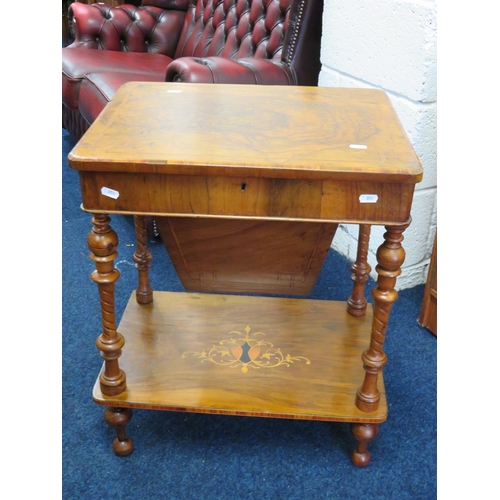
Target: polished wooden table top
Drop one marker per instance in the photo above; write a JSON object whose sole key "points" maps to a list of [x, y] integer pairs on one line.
{"points": [[320, 149], [309, 132]]}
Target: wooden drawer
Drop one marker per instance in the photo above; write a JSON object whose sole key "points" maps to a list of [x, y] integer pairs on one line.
{"points": [[268, 198]]}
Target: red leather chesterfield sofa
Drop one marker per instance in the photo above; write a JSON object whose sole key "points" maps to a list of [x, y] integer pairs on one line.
{"points": [[274, 42]]}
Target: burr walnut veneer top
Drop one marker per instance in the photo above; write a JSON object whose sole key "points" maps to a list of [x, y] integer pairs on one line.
{"points": [[314, 133]]}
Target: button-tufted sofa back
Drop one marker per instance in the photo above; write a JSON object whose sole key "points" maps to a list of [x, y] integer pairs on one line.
{"points": [[152, 27], [234, 28], [267, 29]]}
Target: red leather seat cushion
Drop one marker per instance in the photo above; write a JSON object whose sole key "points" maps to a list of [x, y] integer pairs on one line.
{"points": [[97, 89], [78, 62]]}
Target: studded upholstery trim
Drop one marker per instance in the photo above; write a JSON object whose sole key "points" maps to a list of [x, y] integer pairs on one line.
{"points": [[294, 28]]}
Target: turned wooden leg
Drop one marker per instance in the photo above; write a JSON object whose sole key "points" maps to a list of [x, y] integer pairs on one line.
{"points": [[364, 433], [119, 419], [142, 258], [356, 304], [390, 257], [102, 241]]}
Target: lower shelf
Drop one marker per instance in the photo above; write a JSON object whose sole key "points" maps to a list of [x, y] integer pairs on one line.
{"points": [[243, 355]]}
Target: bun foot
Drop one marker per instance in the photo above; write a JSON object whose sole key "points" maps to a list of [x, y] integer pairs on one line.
{"points": [[119, 419], [363, 433], [360, 459], [123, 448]]}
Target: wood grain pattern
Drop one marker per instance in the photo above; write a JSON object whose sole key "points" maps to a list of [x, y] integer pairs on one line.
{"points": [[183, 150], [163, 128], [246, 256], [166, 368], [272, 199]]}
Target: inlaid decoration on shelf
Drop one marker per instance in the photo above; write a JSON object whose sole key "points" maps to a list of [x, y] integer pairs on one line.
{"points": [[246, 351]]}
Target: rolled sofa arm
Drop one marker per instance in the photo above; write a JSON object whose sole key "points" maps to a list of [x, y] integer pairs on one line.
{"points": [[221, 70], [127, 28]]}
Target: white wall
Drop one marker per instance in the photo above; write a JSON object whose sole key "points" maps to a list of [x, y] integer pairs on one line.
{"points": [[391, 45]]}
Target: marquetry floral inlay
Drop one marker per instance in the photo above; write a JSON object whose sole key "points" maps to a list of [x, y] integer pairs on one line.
{"points": [[246, 351]]}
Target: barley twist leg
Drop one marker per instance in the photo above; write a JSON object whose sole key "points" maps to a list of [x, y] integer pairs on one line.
{"points": [[142, 258], [390, 257], [102, 242], [356, 304]]}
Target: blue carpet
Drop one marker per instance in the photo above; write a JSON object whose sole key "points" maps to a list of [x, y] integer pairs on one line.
{"points": [[190, 456]]}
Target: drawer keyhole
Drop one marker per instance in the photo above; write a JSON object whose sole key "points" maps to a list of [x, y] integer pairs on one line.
{"points": [[243, 186]]}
